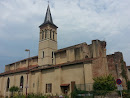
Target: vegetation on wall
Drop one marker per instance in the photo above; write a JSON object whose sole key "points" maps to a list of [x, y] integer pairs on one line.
{"points": [[123, 73]]}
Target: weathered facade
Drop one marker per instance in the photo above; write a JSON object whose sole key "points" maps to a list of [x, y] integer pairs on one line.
{"points": [[56, 71], [128, 72], [117, 67]]}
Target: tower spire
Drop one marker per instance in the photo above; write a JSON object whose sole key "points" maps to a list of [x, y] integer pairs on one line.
{"points": [[48, 18]]}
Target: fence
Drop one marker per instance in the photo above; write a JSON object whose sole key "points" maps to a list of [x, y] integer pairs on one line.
{"points": [[85, 87]]}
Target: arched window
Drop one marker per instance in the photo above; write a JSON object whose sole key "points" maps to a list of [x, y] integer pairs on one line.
{"points": [[42, 34], [53, 34], [8, 82], [45, 33], [86, 56], [50, 34], [52, 54], [43, 54], [21, 82]]}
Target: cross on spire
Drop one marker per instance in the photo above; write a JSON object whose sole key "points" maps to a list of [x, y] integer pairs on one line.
{"points": [[48, 2]]}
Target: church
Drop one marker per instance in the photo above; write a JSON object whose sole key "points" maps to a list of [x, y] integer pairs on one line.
{"points": [[57, 71]]}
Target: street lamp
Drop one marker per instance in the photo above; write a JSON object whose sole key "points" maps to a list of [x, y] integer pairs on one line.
{"points": [[27, 50]]}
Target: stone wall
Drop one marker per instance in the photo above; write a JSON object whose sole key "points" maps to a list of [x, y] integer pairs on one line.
{"points": [[115, 66]]}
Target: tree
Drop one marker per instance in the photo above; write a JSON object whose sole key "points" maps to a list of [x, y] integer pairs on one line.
{"points": [[13, 89], [102, 85]]}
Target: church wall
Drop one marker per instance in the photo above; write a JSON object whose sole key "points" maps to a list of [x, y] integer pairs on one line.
{"points": [[51, 76], [69, 54], [21, 64], [86, 51], [128, 72], [80, 73], [14, 81], [99, 65], [1, 85], [88, 76], [115, 65], [61, 57], [58, 76], [97, 48], [35, 79]]}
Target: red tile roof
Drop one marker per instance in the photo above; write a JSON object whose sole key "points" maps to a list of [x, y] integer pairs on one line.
{"points": [[64, 84]]}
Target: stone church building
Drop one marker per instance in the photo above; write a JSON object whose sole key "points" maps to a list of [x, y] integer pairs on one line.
{"points": [[57, 71]]}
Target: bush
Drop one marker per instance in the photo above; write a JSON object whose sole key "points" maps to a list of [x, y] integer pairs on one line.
{"points": [[13, 89], [103, 85], [76, 91]]}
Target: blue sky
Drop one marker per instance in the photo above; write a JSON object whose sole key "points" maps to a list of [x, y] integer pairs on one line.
{"points": [[78, 21]]}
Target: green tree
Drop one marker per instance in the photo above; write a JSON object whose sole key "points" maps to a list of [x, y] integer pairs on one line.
{"points": [[102, 85], [13, 89]]}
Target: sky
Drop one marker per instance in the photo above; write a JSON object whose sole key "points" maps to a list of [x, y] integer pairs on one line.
{"points": [[78, 21]]}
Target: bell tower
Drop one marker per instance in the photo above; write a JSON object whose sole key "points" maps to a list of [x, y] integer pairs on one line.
{"points": [[47, 40]]}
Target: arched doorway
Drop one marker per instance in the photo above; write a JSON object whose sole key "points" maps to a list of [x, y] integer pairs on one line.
{"points": [[21, 82], [8, 82]]}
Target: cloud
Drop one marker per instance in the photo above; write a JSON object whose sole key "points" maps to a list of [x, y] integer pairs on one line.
{"points": [[78, 21]]}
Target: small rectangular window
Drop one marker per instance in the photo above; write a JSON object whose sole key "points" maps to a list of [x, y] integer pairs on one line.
{"points": [[53, 35], [52, 54], [48, 88], [52, 61], [43, 54], [42, 34], [23, 62], [50, 34], [45, 33], [77, 53]]}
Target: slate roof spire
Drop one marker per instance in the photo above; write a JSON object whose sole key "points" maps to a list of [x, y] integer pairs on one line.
{"points": [[48, 18]]}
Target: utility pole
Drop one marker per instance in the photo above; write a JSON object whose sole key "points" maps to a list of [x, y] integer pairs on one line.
{"points": [[27, 50]]}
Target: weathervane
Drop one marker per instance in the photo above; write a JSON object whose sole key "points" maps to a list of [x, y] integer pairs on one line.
{"points": [[48, 2]]}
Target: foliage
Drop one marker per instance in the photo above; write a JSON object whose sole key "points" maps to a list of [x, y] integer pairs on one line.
{"points": [[123, 73], [104, 84], [76, 91], [128, 85], [14, 89], [125, 93], [36, 96], [32, 95], [19, 96], [107, 83]]}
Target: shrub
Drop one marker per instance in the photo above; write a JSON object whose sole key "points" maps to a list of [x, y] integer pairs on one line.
{"points": [[13, 89], [103, 85]]}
